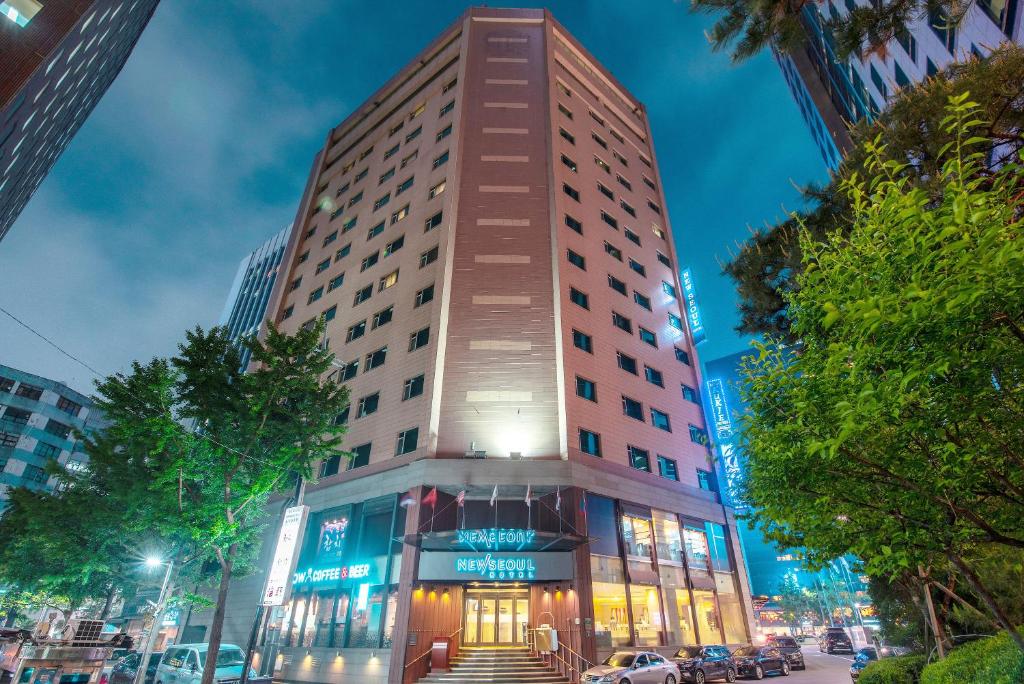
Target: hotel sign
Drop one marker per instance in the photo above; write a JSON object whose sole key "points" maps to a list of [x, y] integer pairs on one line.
{"points": [[693, 314], [491, 566], [495, 538], [723, 435]]}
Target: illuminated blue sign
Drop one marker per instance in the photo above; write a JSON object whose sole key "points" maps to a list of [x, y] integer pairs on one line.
{"points": [[495, 538], [722, 423], [334, 573], [693, 314], [490, 566]]}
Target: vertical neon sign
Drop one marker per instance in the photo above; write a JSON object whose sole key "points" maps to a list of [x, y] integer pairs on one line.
{"points": [[693, 314], [722, 422]]}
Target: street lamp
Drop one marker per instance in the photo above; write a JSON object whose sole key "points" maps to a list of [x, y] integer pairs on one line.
{"points": [[161, 602]]}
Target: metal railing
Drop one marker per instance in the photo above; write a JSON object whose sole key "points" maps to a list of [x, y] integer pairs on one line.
{"points": [[568, 662], [421, 661]]}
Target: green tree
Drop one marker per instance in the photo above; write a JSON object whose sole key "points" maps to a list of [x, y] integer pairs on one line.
{"points": [[894, 429], [766, 267], [797, 603]]}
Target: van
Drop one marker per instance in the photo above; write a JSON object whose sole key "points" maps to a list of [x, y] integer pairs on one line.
{"points": [[183, 664]]}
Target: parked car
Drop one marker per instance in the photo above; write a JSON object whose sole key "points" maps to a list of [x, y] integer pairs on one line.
{"points": [[124, 672], [804, 638], [183, 664], [116, 656], [701, 664], [861, 660], [790, 648], [835, 639], [628, 667], [757, 661]]}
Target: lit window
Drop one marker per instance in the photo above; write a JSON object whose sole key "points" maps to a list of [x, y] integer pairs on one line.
{"points": [[436, 190], [387, 281], [400, 214], [21, 11]]}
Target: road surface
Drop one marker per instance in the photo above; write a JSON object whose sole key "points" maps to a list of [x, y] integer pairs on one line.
{"points": [[822, 668]]}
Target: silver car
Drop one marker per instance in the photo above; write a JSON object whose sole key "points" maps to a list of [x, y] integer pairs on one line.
{"points": [[632, 667]]}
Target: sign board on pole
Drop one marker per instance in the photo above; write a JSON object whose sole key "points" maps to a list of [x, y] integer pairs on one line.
{"points": [[285, 556], [693, 314]]}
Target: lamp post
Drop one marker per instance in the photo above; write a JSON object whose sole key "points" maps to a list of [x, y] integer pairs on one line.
{"points": [[161, 602]]}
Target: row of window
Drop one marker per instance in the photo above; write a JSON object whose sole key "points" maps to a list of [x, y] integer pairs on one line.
{"points": [[34, 393], [406, 442], [582, 299], [640, 459]]}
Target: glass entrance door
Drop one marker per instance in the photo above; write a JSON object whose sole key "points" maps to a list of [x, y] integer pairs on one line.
{"points": [[495, 617]]}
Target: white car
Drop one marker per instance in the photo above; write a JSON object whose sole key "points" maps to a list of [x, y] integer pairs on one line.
{"points": [[183, 664], [632, 667]]}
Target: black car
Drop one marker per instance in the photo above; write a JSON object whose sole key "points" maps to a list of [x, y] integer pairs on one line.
{"points": [[791, 649], [124, 671], [757, 661], [701, 664], [835, 639], [861, 660]]}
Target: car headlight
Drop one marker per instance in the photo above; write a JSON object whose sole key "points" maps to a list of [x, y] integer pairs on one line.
{"points": [[607, 679]]}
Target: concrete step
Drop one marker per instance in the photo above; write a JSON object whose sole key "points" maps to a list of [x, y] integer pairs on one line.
{"points": [[549, 677]]}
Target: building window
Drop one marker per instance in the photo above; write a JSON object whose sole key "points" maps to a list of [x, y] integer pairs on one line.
{"points": [[578, 298], [392, 152], [432, 222], [649, 183], [586, 389], [330, 238], [406, 441], [67, 406], [449, 85], [429, 257], [664, 260], [330, 314], [362, 295], [383, 317], [445, 109], [46, 450], [349, 224], [22, 11], [405, 185], [400, 214], [659, 419], [681, 356], [626, 207], [34, 474], [342, 252], [386, 176], [565, 111], [632, 408], [354, 199], [57, 428], [596, 117], [570, 164], [657, 231], [626, 184], [706, 480], [366, 153], [943, 28], [876, 78], [583, 341], [443, 133], [667, 468], [413, 387], [368, 405], [336, 282], [656, 209], [322, 266], [668, 289], [614, 251], [419, 339], [617, 285], [690, 394], [576, 260], [381, 201], [562, 88], [369, 261], [376, 359], [642, 300], [8, 439], [315, 295], [571, 191], [6, 384], [609, 219], [626, 363], [638, 267], [440, 160], [648, 337], [622, 323], [360, 456], [437, 189], [602, 164], [394, 245], [574, 224], [590, 442], [639, 458], [409, 158], [412, 135], [29, 391], [348, 371], [387, 281], [698, 435], [566, 135], [375, 231], [287, 313], [423, 296], [653, 376], [675, 322], [355, 331], [631, 236], [599, 140]]}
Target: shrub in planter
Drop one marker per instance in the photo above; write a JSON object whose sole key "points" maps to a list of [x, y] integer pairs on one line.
{"points": [[895, 670], [994, 660]]}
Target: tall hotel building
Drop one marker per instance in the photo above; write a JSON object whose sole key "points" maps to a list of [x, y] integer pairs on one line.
{"points": [[487, 240], [57, 58], [832, 92]]}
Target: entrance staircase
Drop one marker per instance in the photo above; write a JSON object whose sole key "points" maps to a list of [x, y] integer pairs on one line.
{"points": [[497, 666]]}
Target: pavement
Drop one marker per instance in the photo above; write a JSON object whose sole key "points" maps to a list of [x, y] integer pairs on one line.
{"points": [[822, 668]]}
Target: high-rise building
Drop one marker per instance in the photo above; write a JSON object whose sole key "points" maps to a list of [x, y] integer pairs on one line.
{"points": [[840, 589], [832, 92], [487, 240], [246, 307], [40, 421], [59, 57]]}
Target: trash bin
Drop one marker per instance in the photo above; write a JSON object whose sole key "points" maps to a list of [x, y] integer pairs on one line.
{"points": [[547, 639], [440, 647]]}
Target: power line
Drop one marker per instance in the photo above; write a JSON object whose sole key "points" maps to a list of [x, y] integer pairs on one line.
{"points": [[53, 344]]}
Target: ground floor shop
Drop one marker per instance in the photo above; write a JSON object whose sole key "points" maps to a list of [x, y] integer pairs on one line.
{"points": [[377, 581]]}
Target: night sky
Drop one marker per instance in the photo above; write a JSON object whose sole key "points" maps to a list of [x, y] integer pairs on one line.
{"points": [[201, 148]]}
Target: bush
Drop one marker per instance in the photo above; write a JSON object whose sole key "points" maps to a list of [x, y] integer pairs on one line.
{"points": [[895, 670], [994, 660]]}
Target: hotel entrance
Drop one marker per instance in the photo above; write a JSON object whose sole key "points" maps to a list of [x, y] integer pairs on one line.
{"points": [[495, 617]]}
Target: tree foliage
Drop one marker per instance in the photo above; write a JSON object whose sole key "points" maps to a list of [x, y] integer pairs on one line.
{"points": [[894, 429], [766, 267]]}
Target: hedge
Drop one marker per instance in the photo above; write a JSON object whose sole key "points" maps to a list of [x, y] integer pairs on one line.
{"points": [[993, 660], [894, 670]]}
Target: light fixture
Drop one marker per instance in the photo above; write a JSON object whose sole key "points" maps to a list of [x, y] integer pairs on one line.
{"points": [[153, 561]]}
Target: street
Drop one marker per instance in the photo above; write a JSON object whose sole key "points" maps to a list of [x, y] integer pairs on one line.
{"points": [[823, 668]]}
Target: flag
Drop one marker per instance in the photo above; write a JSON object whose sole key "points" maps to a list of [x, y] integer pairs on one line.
{"points": [[461, 498], [494, 496], [558, 499], [583, 502], [408, 500], [528, 489], [431, 498]]}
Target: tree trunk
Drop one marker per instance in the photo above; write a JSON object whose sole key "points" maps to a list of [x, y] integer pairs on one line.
{"points": [[108, 603], [217, 624], [989, 600]]}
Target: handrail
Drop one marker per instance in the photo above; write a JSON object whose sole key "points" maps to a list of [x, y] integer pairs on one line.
{"points": [[572, 666], [427, 652]]}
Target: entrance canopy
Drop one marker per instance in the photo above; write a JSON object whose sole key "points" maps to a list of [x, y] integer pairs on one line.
{"points": [[496, 539]]}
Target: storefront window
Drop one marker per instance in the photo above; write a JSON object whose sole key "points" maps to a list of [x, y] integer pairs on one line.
{"points": [[638, 540], [389, 623], [707, 617], [718, 547], [731, 609], [611, 620], [678, 613], [696, 545], [666, 534], [364, 628], [647, 625]]}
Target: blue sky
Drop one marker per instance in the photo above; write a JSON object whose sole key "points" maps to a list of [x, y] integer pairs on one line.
{"points": [[200, 150]]}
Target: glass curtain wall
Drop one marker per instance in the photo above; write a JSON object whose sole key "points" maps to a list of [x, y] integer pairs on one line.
{"points": [[608, 581], [678, 611]]}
